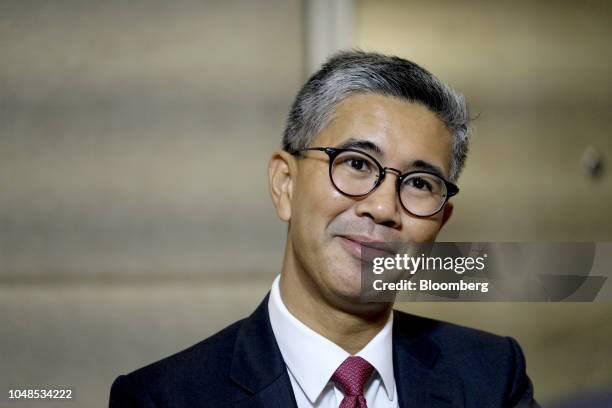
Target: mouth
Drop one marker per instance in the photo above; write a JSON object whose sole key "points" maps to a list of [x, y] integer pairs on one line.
{"points": [[364, 248]]}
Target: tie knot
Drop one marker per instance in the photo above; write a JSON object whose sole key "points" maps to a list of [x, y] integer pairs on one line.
{"points": [[352, 375]]}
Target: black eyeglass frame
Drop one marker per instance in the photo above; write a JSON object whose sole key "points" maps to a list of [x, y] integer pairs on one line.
{"points": [[333, 152]]}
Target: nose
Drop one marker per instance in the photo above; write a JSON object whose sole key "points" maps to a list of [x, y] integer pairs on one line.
{"points": [[382, 205]]}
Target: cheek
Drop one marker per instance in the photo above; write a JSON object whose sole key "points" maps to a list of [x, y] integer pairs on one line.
{"points": [[316, 200], [423, 229], [336, 202], [314, 204]]}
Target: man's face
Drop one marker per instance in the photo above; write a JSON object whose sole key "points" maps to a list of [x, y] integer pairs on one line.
{"points": [[327, 227]]}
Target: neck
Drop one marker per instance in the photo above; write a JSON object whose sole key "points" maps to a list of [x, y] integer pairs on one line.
{"points": [[348, 323]]}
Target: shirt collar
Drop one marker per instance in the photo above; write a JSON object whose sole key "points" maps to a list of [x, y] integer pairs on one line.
{"points": [[313, 359], [379, 353]]}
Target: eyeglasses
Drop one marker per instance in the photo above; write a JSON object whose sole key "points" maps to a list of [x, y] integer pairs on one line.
{"points": [[356, 174]]}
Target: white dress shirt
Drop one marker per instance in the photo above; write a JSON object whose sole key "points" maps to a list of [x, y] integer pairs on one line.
{"points": [[312, 359]]}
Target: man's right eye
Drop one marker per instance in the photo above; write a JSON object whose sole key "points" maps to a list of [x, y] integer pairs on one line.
{"points": [[358, 164]]}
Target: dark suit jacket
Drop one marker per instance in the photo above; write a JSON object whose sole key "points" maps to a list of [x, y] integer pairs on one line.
{"points": [[436, 364]]}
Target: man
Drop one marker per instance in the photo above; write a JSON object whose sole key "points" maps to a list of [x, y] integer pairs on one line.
{"points": [[366, 135]]}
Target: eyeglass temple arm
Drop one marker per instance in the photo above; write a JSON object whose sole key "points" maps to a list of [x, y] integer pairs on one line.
{"points": [[321, 149], [452, 189]]}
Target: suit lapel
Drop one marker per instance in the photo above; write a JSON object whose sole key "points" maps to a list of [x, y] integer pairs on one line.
{"points": [[258, 366], [414, 357]]}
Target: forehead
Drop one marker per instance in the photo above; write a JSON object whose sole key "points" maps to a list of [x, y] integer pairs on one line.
{"points": [[405, 132]]}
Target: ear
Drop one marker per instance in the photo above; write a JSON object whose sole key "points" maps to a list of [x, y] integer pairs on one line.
{"points": [[446, 213], [281, 172]]}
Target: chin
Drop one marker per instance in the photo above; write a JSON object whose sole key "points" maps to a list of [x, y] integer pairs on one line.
{"points": [[345, 282]]}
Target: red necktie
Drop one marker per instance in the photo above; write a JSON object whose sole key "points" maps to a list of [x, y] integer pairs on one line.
{"points": [[350, 377]]}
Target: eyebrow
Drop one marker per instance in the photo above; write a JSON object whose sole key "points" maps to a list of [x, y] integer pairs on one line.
{"points": [[352, 143], [361, 144], [423, 165]]}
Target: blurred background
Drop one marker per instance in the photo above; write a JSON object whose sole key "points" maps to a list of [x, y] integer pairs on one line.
{"points": [[134, 138]]}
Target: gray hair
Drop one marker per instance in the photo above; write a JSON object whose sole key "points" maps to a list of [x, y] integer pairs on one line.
{"points": [[351, 72]]}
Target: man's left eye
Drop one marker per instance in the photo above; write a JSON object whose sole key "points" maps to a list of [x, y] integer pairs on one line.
{"points": [[419, 183]]}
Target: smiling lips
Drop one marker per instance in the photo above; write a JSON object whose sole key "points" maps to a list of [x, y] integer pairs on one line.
{"points": [[376, 248]]}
